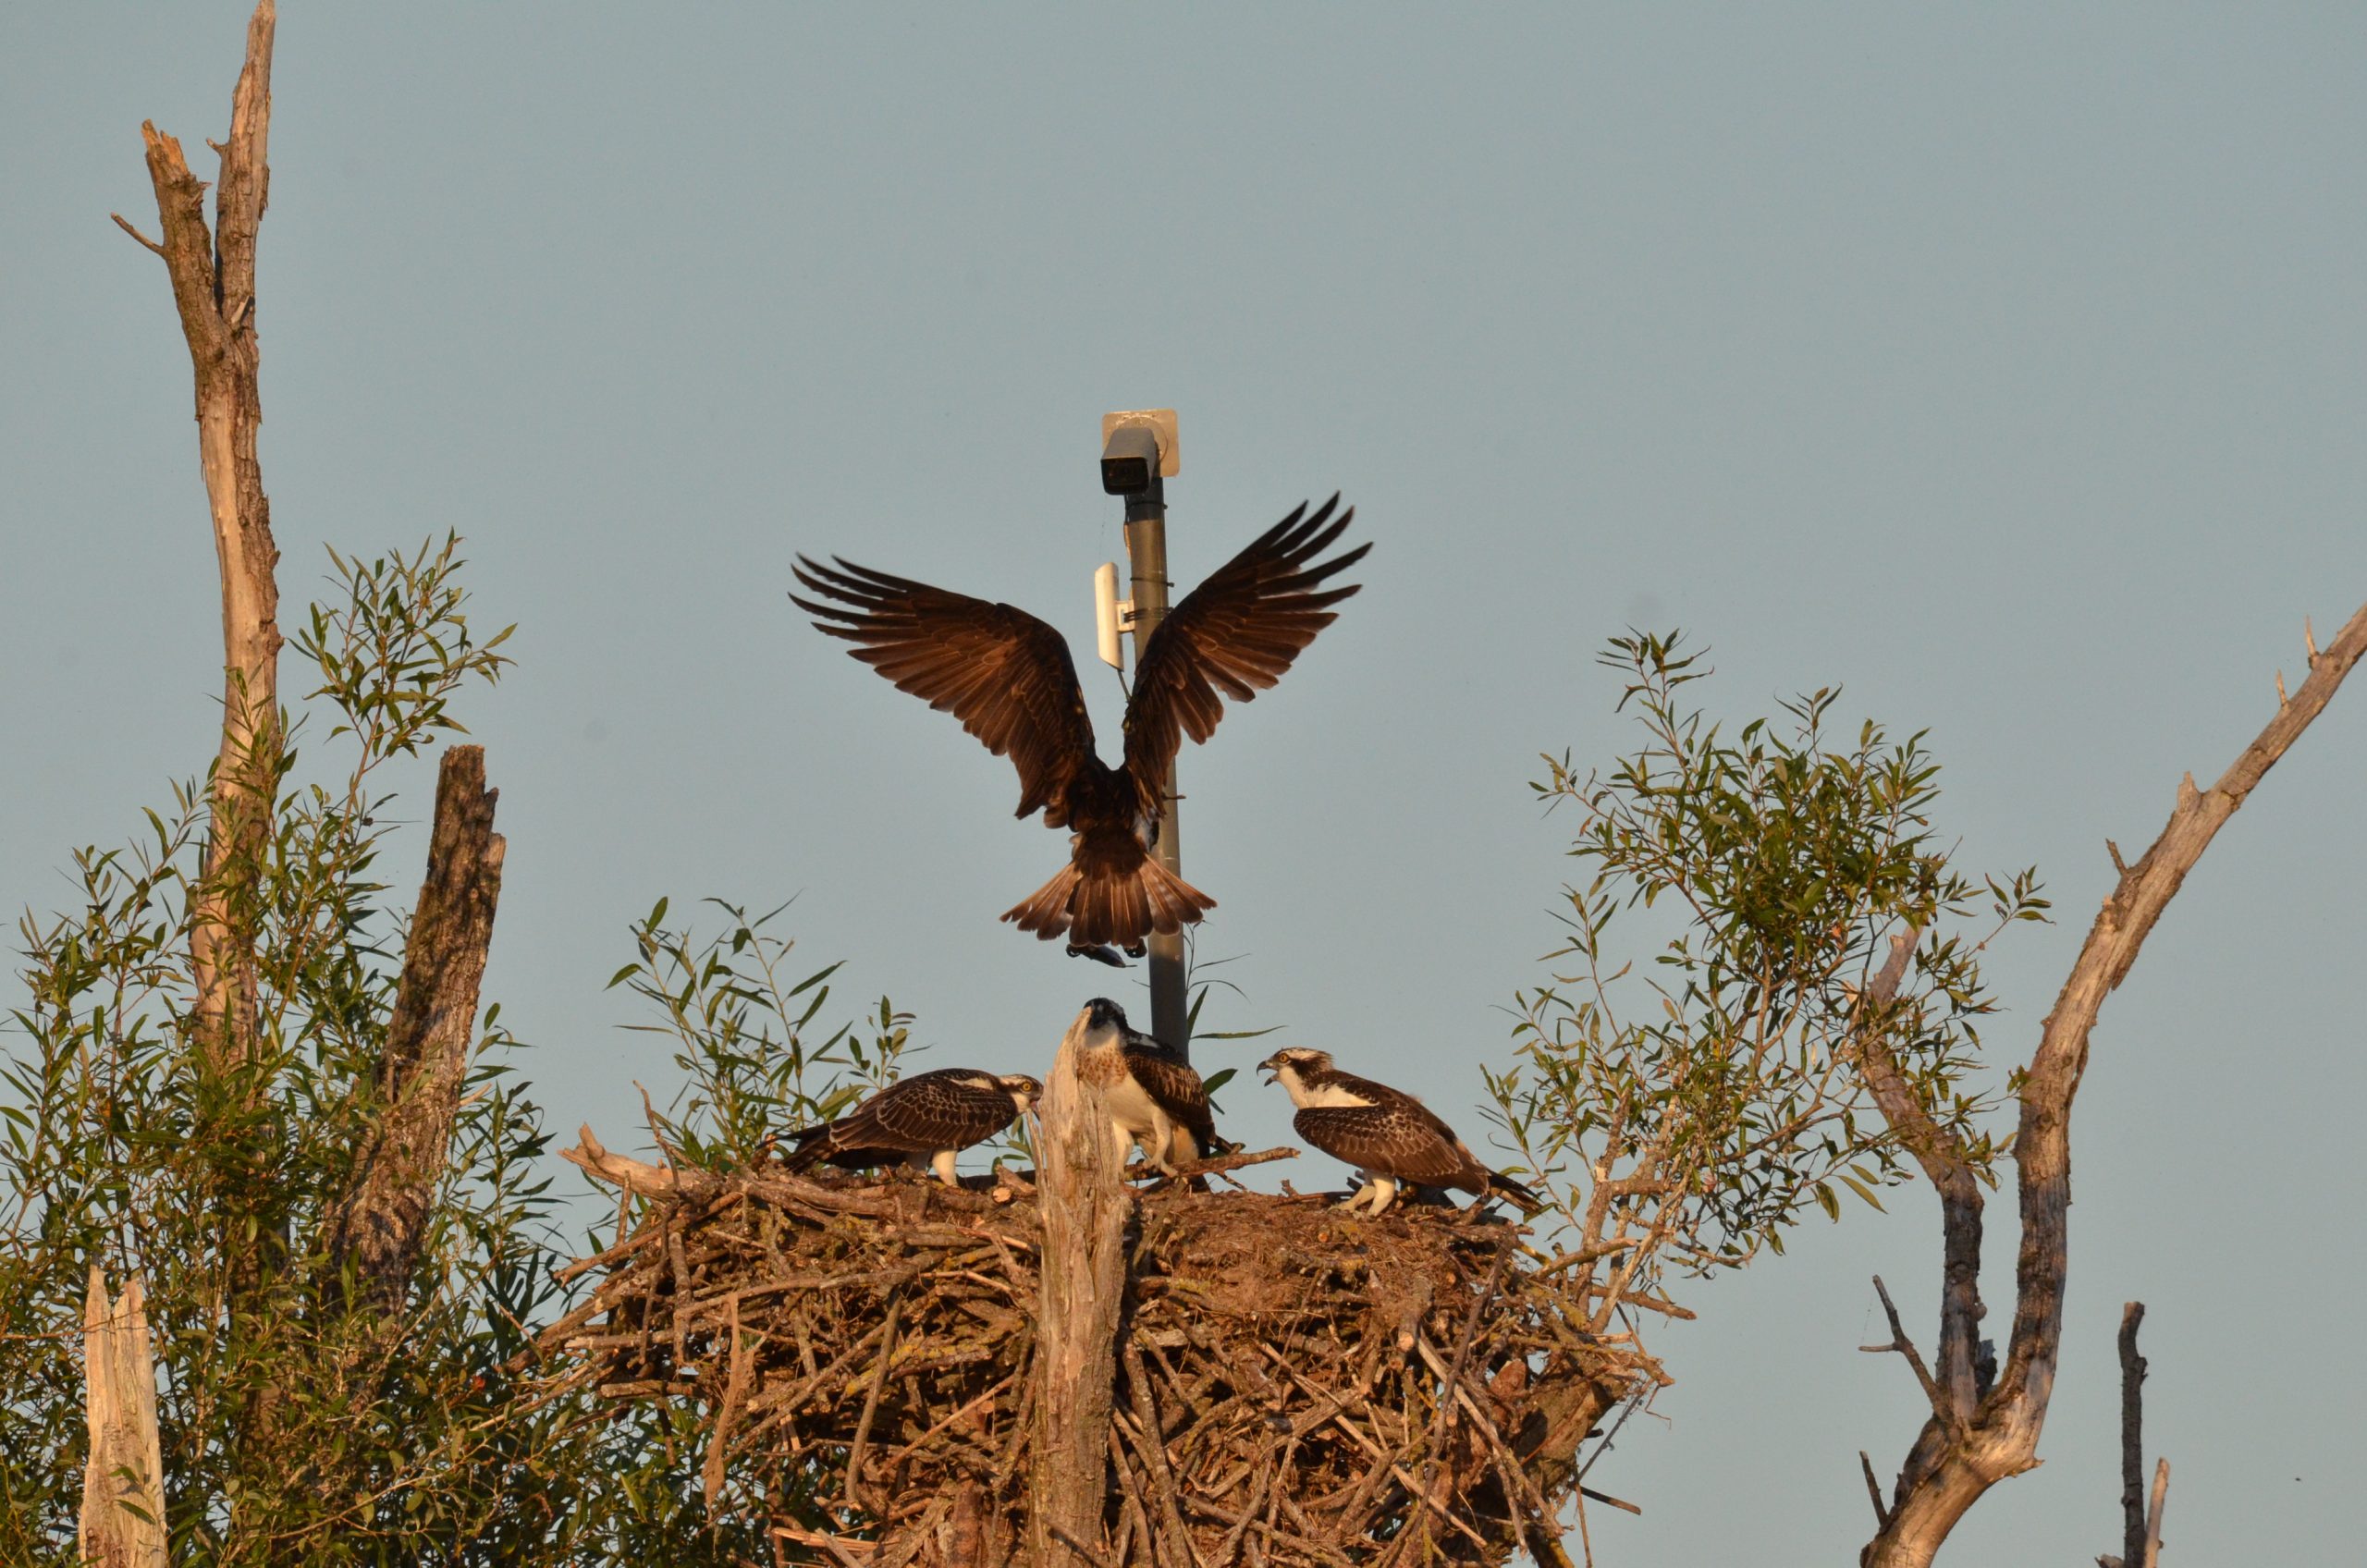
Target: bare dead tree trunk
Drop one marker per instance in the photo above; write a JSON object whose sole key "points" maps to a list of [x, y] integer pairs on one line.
{"points": [[378, 1231], [1979, 1435], [123, 1480], [1084, 1202], [213, 287]]}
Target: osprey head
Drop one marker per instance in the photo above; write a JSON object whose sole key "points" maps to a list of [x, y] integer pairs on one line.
{"points": [[1294, 1059], [1023, 1091], [1103, 1016]]}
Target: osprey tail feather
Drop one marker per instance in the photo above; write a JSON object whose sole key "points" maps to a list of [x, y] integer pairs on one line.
{"points": [[1107, 902], [1521, 1193]]}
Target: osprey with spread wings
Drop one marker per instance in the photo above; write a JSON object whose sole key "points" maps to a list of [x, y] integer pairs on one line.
{"points": [[1009, 679]]}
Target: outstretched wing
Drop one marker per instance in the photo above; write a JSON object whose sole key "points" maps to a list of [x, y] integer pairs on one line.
{"points": [[1235, 634], [1003, 673]]}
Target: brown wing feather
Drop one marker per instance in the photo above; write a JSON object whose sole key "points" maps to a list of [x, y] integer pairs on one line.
{"points": [[1003, 673], [1234, 634], [1390, 1140], [922, 1114], [1178, 1091]]}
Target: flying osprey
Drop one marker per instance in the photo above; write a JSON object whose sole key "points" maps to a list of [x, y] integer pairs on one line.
{"points": [[1008, 678], [924, 1121], [1156, 1103], [1391, 1138]]}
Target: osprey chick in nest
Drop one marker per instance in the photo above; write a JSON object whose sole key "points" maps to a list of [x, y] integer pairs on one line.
{"points": [[1391, 1138], [1156, 1103], [1008, 678], [922, 1121]]}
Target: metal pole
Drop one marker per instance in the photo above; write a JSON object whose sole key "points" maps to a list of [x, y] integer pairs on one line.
{"points": [[1146, 558]]}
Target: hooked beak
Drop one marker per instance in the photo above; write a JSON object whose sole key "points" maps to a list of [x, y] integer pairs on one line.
{"points": [[1271, 1067]]}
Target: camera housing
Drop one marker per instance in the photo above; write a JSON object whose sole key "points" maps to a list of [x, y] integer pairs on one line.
{"points": [[1138, 448]]}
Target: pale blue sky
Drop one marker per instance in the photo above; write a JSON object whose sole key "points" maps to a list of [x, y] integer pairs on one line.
{"points": [[2005, 365]]}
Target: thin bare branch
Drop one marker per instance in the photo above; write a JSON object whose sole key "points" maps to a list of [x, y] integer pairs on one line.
{"points": [[1873, 1490], [1941, 1409], [121, 223]]}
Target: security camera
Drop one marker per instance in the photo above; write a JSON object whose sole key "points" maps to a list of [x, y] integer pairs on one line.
{"points": [[1130, 460], [1137, 450]]}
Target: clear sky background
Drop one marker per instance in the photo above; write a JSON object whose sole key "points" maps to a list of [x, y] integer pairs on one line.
{"points": [[2004, 366]]}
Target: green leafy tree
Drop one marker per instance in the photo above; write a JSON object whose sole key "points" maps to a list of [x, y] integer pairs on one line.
{"points": [[1691, 1079]]}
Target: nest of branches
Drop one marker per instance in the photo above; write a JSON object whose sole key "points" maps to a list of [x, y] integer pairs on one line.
{"points": [[862, 1354]]}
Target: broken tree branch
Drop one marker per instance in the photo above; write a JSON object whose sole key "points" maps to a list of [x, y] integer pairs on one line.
{"points": [[592, 1156], [2132, 1435], [1083, 1205], [123, 1481], [1947, 1473], [213, 275], [379, 1231]]}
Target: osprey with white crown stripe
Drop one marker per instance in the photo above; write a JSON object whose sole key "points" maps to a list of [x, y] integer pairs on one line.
{"points": [[1392, 1138], [924, 1121], [1009, 679], [1156, 1103]]}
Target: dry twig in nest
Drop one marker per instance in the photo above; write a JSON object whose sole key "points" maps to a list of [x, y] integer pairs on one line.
{"points": [[1283, 1398]]}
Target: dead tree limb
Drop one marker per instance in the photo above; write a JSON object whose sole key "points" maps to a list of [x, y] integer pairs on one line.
{"points": [[1082, 1197], [1948, 1471], [123, 1480], [213, 275], [2132, 1437], [2140, 1531], [379, 1231]]}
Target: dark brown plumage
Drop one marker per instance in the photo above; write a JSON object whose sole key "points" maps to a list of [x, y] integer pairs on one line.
{"points": [[1009, 679], [1388, 1134], [924, 1119], [1156, 1102]]}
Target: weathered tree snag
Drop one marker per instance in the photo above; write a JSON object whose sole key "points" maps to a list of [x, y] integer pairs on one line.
{"points": [[214, 286], [1081, 1194], [1971, 1444], [378, 1231], [2141, 1534], [123, 1480], [2132, 1435]]}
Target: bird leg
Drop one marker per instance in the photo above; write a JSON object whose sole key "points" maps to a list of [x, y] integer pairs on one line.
{"points": [[1384, 1193], [1361, 1193], [942, 1163]]}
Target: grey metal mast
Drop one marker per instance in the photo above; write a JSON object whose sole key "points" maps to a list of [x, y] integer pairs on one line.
{"points": [[1138, 450]]}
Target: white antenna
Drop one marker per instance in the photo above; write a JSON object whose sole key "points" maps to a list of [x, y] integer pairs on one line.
{"points": [[1111, 616]]}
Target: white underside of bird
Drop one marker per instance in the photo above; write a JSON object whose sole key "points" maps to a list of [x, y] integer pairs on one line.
{"points": [[1138, 1122], [1380, 1190]]}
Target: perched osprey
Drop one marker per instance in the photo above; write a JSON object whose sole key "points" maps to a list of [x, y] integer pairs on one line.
{"points": [[1008, 678], [1391, 1138], [1155, 1102], [924, 1121]]}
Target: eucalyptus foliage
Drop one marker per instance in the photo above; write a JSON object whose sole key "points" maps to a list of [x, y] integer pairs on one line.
{"points": [[1695, 1058]]}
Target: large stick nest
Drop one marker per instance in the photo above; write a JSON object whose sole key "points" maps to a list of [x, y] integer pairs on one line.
{"points": [[862, 1356]]}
